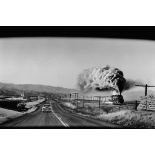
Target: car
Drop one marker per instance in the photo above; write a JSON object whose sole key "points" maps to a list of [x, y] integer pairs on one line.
{"points": [[46, 108]]}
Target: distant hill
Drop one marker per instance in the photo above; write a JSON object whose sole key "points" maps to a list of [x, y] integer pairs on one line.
{"points": [[9, 89], [17, 89]]}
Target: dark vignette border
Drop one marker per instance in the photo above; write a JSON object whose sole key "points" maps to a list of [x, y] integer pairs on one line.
{"points": [[120, 32]]}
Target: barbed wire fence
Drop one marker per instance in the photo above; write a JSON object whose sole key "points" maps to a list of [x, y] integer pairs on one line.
{"points": [[96, 104]]}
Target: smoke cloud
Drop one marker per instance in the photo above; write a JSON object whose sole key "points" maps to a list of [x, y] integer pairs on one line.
{"points": [[131, 84], [102, 79], [105, 79]]}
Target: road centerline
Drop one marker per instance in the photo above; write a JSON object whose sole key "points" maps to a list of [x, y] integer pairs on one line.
{"points": [[59, 118]]}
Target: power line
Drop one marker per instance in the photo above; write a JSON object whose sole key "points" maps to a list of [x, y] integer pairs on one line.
{"points": [[146, 87]]}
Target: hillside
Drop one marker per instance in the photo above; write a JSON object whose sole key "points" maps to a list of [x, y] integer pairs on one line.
{"points": [[9, 89], [12, 89]]}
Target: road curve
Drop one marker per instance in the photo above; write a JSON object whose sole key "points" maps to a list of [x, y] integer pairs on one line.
{"points": [[58, 118]]}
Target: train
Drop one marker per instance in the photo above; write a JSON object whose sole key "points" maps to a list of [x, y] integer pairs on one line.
{"points": [[117, 99]]}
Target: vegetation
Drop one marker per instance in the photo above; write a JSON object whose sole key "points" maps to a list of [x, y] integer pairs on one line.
{"points": [[12, 105]]}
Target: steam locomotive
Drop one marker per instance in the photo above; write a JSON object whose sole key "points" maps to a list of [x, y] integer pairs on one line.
{"points": [[117, 99]]}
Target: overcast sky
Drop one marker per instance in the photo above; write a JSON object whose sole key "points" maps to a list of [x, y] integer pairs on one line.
{"points": [[58, 61]]}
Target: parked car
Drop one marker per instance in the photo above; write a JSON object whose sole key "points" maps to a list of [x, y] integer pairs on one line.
{"points": [[47, 108]]}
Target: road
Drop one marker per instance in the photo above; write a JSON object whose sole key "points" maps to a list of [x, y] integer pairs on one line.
{"points": [[59, 117]]}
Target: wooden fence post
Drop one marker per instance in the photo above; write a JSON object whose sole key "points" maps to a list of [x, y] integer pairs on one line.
{"points": [[83, 101], [99, 103]]}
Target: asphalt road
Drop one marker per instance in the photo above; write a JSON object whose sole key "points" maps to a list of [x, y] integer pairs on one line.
{"points": [[59, 117]]}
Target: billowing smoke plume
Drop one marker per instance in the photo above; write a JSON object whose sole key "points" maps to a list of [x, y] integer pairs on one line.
{"points": [[102, 79], [131, 84]]}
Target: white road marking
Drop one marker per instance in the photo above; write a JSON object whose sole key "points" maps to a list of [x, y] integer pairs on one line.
{"points": [[59, 118]]}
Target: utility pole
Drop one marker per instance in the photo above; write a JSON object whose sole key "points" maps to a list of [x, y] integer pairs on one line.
{"points": [[99, 101], [70, 95], [83, 101], [146, 88], [76, 98]]}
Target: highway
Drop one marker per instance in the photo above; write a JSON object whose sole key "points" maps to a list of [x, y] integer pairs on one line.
{"points": [[58, 118]]}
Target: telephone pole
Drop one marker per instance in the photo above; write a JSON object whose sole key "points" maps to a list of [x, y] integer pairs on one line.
{"points": [[99, 101], [70, 95], [83, 101], [146, 87], [76, 98]]}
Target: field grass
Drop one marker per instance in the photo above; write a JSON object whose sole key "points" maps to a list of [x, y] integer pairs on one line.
{"points": [[124, 115], [130, 118], [69, 105], [93, 106]]}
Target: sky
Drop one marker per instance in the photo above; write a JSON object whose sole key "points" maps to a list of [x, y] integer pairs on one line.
{"points": [[58, 61]]}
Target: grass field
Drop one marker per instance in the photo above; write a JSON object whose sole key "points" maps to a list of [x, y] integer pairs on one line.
{"points": [[124, 115], [130, 118], [93, 106]]}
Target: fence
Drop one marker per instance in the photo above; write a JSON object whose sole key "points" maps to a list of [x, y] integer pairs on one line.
{"points": [[98, 104]]}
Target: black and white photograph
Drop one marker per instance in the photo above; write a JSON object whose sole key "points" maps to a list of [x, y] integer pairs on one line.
{"points": [[77, 77]]}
